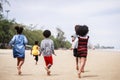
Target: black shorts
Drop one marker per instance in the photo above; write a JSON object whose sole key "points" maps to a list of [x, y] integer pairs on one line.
{"points": [[36, 57], [75, 53]]}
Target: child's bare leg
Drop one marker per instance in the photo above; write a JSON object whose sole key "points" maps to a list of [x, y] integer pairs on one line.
{"points": [[21, 61], [48, 71], [77, 67], [82, 64], [36, 58], [48, 67], [49, 62], [79, 71], [36, 63], [82, 70], [18, 61]]}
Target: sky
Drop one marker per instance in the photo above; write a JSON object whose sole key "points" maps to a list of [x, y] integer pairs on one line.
{"points": [[101, 16]]}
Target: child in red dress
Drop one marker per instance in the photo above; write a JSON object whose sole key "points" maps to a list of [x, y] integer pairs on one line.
{"points": [[82, 47]]}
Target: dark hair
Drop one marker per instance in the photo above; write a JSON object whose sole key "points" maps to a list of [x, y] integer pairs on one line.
{"points": [[19, 29], [77, 28], [46, 33], [36, 42], [83, 30]]}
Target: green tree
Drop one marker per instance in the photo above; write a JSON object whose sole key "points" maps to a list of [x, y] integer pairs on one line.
{"points": [[5, 32], [60, 38], [60, 41], [33, 35], [67, 44]]}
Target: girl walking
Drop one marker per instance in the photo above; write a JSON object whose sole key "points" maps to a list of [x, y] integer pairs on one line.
{"points": [[82, 47], [18, 43]]}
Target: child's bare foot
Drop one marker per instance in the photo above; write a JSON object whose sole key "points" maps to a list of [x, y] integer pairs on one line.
{"points": [[17, 67], [79, 76], [82, 71], [46, 69], [36, 63], [19, 71], [48, 72]]}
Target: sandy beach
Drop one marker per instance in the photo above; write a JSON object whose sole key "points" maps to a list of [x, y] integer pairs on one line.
{"points": [[101, 65]]}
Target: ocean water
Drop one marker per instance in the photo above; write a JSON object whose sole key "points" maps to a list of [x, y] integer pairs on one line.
{"points": [[118, 50]]}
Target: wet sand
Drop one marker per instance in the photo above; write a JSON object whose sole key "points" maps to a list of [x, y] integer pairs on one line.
{"points": [[101, 65]]}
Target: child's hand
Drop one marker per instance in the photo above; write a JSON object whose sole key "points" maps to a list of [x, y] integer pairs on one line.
{"points": [[9, 47], [71, 48], [55, 54]]}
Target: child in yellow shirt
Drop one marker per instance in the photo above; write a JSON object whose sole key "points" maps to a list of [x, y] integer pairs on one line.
{"points": [[35, 51]]}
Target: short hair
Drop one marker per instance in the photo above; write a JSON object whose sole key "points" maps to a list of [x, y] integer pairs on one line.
{"points": [[77, 28], [19, 29], [36, 42], [83, 30], [47, 33]]}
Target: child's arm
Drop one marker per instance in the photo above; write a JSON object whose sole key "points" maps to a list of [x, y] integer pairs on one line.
{"points": [[11, 43], [40, 50], [31, 51], [52, 47], [53, 53], [73, 42], [40, 54]]}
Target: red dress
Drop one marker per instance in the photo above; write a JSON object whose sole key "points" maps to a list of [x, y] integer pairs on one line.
{"points": [[82, 47]]}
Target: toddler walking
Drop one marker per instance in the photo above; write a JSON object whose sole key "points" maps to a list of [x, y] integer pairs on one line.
{"points": [[35, 51]]}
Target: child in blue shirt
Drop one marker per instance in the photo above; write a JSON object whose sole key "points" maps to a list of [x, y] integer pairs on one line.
{"points": [[18, 43]]}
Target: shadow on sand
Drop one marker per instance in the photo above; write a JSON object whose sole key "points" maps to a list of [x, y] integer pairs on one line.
{"points": [[24, 74], [86, 71], [90, 76], [54, 75]]}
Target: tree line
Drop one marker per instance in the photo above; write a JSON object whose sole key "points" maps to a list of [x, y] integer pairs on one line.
{"points": [[7, 31]]}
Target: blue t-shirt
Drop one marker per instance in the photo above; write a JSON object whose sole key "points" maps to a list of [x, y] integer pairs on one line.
{"points": [[18, 43]]}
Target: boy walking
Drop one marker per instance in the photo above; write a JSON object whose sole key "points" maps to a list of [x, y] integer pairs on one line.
{"points": [[47, 49]]}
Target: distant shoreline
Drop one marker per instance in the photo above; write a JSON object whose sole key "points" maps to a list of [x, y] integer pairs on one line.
{"points": [[108, 50]]}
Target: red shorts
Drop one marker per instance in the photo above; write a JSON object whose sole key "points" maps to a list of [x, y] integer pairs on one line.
{"points": [[48, 60]]}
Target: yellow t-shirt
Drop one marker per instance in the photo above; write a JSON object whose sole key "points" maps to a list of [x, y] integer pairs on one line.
{"points": [[35, 50]]}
